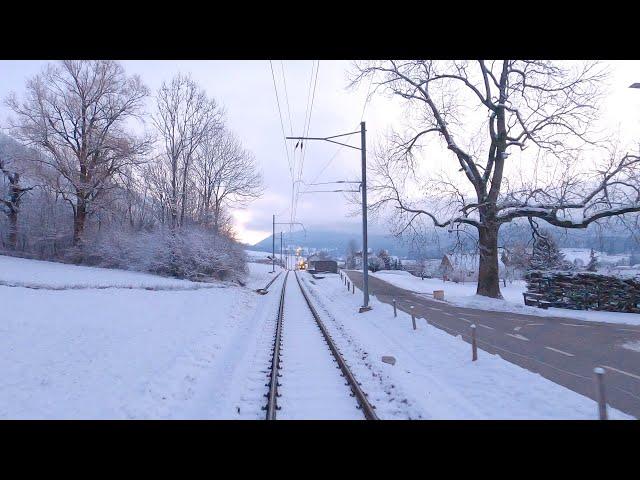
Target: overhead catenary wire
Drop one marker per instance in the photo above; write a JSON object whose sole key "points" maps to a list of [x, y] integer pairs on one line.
{"points": [[306, 127], [293, 168], [330, 161], [286, 148], [306, 132]]}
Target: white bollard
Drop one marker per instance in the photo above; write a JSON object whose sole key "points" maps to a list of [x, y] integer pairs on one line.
{"points": [[600, 393]]}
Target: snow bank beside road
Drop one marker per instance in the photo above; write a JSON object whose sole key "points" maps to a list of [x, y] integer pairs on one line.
{"points": [[464, 295], [434, 377]]}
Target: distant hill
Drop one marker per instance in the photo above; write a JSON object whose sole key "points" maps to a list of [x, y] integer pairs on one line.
{"points": [[610, 241], [335, 242]]}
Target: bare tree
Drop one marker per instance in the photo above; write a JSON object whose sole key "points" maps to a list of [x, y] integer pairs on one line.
{"points": [[12, 159], [75, 112], [184, 118], [482, 112], [352, 249], [226, 175]]}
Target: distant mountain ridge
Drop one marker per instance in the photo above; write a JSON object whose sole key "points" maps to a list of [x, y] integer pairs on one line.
{"points": [[440, 241], [333, 241]]}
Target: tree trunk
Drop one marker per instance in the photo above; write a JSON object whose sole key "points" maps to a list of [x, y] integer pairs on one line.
{"points": [[78, 221], [488, 273], [13, 229]]}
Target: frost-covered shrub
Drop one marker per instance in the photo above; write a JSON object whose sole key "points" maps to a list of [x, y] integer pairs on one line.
{"points": [[192, 253]]}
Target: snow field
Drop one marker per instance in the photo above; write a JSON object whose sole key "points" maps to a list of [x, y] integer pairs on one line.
{"points": [[434, 377], [128, 353]]}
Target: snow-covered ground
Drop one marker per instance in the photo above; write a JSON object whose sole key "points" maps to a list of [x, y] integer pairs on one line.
{"points": [[39, 274], [434, 377], [134, 351], [464, 295], [126, 353], [584, 255], [254, 255]]}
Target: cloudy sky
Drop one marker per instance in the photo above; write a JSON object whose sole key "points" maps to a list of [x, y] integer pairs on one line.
{"points": [[246, 89]]}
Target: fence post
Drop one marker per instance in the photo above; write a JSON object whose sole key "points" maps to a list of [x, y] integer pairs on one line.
{"points": [[395, 311], [474, 346], [413, 317], [353, 288], [600, 394]]}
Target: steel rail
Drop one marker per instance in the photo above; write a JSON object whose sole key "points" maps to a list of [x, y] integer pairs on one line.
{"points": [[265, 290], [366, 407], [272, 396]]}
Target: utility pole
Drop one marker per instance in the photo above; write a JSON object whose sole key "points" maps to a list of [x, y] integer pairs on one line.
{"points": [[365, 259], [363, 186], [273, 246]]}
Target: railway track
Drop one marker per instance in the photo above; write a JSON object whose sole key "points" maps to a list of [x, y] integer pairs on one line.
{"points": [[309, 374]]}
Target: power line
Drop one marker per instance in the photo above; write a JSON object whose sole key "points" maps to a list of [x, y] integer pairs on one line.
{"points": [[294, 201], [286, 149], [293, 168], [306, 132], [364, 107]]}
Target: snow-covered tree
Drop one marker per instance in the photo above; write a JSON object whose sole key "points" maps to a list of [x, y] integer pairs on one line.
{"points": [[76, 112], [383, 255], [185, 117], [546, 254], [485, 117], [352, 249], [12, 166], [375, 263], [593, 264]]}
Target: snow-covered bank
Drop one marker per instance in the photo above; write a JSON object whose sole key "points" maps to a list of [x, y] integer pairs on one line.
{"points": [[121, 353], [41, 274], [434, 377], [464, 295]]}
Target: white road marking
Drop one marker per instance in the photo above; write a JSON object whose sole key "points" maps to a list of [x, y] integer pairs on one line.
{"points": [[574, 325], [517, 329], [532, 324], [434, 308], [446, 313], [628, 330], [622, 372], [472, 315], [560, 351], [485, 326], [465, 320], [518, 336]]}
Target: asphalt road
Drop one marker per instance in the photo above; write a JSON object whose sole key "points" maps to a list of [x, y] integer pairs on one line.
{"points": [[563, 350]]}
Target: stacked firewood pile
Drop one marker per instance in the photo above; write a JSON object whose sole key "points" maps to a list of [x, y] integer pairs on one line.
{"points": [[585, 291]]}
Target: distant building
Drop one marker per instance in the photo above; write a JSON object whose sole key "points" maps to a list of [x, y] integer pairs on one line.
{"points": [[311, 260], [325, 266], [461, 267]]}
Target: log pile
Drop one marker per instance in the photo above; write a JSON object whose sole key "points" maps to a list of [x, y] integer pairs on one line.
{"points": [[585, 291]]}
